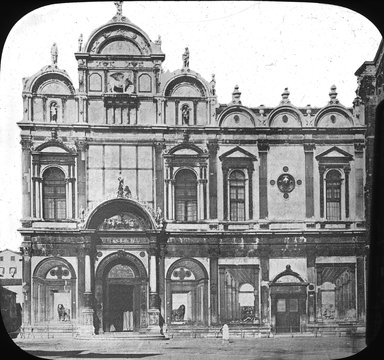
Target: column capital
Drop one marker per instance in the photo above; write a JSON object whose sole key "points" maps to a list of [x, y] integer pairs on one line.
{"points": [[213, 146], [81, 144], [263, 145], [26, 143], [309, 146], [359, 147]]}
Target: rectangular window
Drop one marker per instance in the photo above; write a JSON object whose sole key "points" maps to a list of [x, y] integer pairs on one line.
{"points": [[1, 258], [293, 305], [13, 258], [281, 306]]}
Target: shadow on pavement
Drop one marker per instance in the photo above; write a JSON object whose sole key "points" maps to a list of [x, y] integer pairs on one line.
{"points": [[77, 354]]}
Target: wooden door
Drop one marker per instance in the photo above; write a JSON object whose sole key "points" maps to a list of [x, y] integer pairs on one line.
{"points": [[287, 315]]}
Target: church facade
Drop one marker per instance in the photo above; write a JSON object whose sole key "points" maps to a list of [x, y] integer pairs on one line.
{"points": [[147, 201]]}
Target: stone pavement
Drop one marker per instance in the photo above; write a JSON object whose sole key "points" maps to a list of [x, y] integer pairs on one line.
{"points": [[278, 348]]}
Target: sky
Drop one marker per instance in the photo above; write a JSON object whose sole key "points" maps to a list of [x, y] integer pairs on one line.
{"points": [[263, 47]]}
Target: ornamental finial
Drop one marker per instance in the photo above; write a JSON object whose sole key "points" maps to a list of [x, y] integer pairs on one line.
{"points": [[333, 95], [285, 97], [236, 95]]}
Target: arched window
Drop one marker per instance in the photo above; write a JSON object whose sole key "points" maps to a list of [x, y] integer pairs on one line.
{"points": [[54, 197], [186, 196], [333, 195], [246, 295], [237, 196]]}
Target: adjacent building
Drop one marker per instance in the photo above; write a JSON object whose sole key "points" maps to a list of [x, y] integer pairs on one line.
{"points": [[371, 93], [145, 199], [11, 272]]}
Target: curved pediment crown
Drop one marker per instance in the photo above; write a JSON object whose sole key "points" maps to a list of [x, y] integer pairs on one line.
{"points": [[121, 37], [50, 79]]}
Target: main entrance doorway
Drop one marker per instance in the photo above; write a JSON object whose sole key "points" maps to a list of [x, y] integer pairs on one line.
{"points": [[120, 310], [121, 293], [288, 299]]}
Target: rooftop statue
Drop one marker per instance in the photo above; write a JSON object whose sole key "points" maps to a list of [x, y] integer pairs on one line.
{"points": [[54, 54], [186, 58]]}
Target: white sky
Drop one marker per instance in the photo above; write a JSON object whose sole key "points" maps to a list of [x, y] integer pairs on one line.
{"points": [[262, 47]]}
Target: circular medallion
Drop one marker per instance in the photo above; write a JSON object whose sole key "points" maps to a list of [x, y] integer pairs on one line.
{"points": [[272, 182], [142, 253], [299, 182], [285, 169], [285, 183], [286, 196]]}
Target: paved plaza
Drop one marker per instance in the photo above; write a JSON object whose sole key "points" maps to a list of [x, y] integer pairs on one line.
{"points": [[279, 348]]}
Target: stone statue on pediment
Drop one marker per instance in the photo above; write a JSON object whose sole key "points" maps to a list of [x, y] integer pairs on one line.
{"points": [[54, 54], [80, 41], [186, 58]]}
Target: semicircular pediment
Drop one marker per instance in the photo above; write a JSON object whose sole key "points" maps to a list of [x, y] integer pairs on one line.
{"points": [[119, 39], [120, 214]]}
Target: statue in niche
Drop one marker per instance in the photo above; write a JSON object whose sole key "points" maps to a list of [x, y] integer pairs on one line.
{"points": [[185, 113], [53, 112], [54, 54], [186, 58]]}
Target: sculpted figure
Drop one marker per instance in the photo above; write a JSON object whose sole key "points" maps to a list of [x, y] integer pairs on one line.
{"points": [[186, 58], [54, 54], [178, 315]]}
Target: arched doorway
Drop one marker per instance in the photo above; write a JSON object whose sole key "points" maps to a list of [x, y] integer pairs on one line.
{"points": [[54, 286], [288, 302], [121, 293], [187, 293]]}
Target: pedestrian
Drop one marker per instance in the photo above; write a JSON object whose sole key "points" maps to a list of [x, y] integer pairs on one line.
{"points": [[225, 336]]}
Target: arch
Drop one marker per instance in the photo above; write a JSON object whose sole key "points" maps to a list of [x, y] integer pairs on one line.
{"points": [[339, 109], [43, 267], [284, 110], [121, 257], [188, 146], [124, 30], [134, 288], [192, 264], [238, 109], [46, 78], [55, 143], [185, 80], [288, 272], [114, 207]]}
